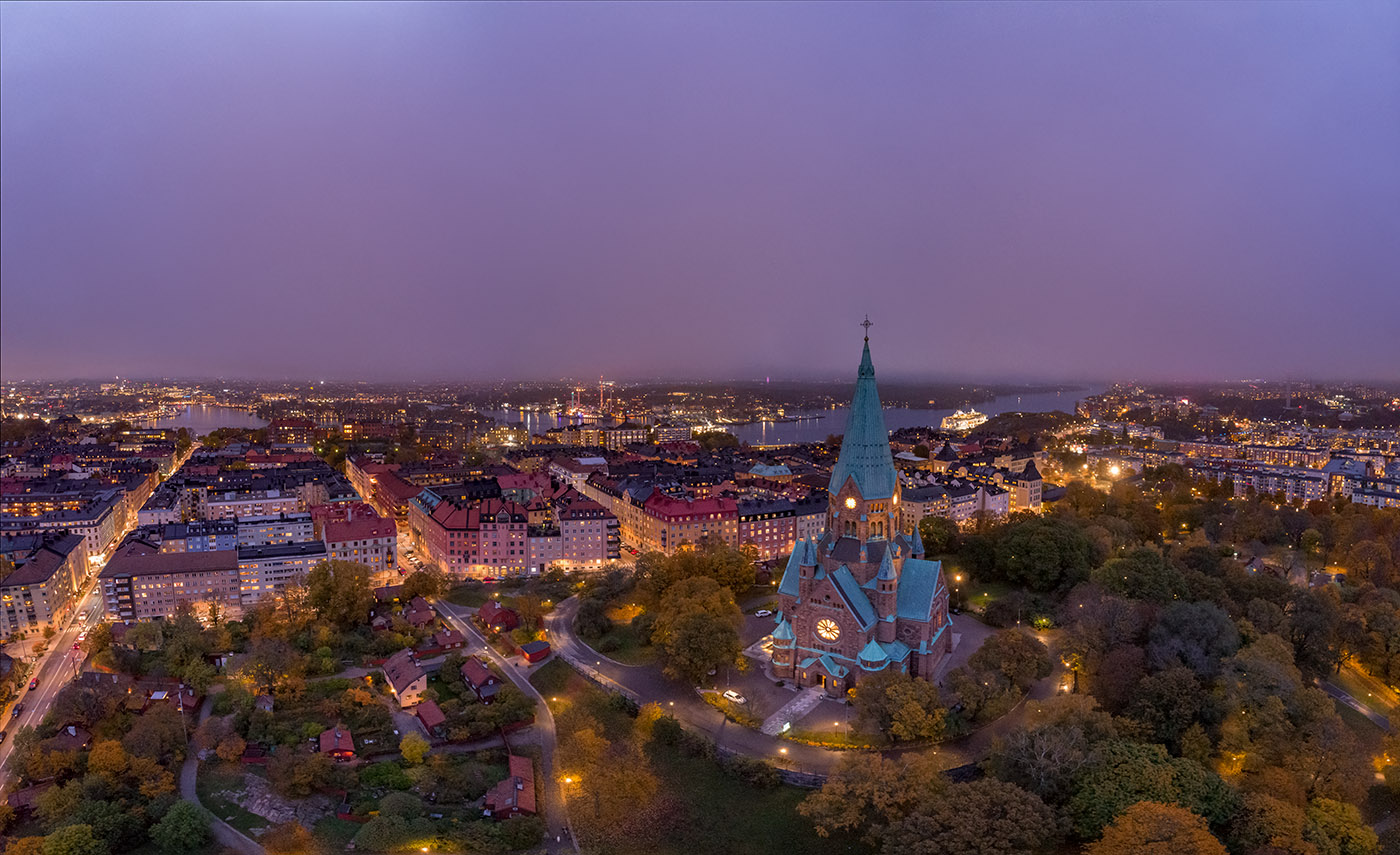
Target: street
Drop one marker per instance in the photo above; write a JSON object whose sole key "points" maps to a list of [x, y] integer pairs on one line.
{"points": [[55, 668], [61, 663]]}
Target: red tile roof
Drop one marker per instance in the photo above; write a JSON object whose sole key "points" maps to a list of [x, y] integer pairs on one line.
{"points": [[430, 714], [337, 739], [517, 792], [475, 673], [359, 528]]}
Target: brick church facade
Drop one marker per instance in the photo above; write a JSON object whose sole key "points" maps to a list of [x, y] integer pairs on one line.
{"points": [[861, 598]]}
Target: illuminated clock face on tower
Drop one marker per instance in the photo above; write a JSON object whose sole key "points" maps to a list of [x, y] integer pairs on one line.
{"points": [[851, 503], [827, 629]]}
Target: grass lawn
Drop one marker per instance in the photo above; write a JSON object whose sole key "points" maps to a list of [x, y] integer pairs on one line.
{"points": [[334, 833], [553, 677], [720, 815], [979, 594], [713, 812], [627, 647], [470, 596], [218, 777]]}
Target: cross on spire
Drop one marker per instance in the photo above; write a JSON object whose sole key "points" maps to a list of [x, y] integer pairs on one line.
{"points": [[867, 323]]}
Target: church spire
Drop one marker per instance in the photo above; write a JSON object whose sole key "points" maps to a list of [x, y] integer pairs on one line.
{"points": [[865, 448]]}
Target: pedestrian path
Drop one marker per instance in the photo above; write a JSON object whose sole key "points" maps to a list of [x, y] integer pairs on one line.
{"points": [[804, 702]]}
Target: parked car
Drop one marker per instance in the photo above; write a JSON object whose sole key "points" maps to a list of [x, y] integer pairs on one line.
{"points": [[2, 736], [19, 708], [763, 613], [34, 684], [734, 697]]}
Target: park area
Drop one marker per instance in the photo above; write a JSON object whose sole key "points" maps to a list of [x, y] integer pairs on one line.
{"points": [[636, 783]]}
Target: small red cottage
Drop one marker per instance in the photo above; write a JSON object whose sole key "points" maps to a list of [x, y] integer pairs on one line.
{"points": [[535, 651], [497, 617], [338, 743], [432, 717], [481, 680], [515, 796]]}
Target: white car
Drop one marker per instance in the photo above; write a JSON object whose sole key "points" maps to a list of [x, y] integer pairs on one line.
{"points": [[734, 697], [763, 613]]}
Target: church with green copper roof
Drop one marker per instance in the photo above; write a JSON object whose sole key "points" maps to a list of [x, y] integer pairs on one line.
{"points": [[861, 598]]}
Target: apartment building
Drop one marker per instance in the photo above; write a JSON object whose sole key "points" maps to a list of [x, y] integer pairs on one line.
{"points": [[264, 570], [41, 588], [138, 585]]}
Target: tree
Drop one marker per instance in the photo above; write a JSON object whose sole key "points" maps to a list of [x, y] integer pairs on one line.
{"points": [[1047, 756], [270, 665], [413, 747], [231, 748], [1152, 828], [898, 706], [1337, 827], [592, 620], [340, 592], [1264, 820], [984, 817], [184, 828], [939, 535], [697, 627], [288, 838], [108, 759], [1125, 773], [1044, 553], [867, 792], [1018, 656], [1197, 635], [699, 643], [1142, 574], [298, 775], [74, 840], [1168, 703], [429, 583], [531, 609], [25, 846], [402, 805], [99, 638], [1371, 561], [157, 734], [145, 636]]}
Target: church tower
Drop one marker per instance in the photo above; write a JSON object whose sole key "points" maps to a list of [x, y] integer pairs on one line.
{"points": [[861, 598]]}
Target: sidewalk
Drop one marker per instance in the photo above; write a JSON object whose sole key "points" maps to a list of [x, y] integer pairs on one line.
{"points": [[223, 832]]}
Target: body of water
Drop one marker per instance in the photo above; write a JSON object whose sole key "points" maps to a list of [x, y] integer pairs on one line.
{"points": [[828, 422], [200, 419]]}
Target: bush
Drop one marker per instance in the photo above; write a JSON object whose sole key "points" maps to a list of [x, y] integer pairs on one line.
{"points": [[609, 644], [384, 776], [623, 704], [184, 827], [667, 730], [642, 625], [402, 805], [754, 772]]}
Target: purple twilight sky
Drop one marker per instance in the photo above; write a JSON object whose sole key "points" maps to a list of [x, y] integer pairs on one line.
{"points": [[452, 190]]}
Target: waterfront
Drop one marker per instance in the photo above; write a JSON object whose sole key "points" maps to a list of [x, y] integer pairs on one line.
{"points": [[817, 425], [200, 419], [829, 422]]}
